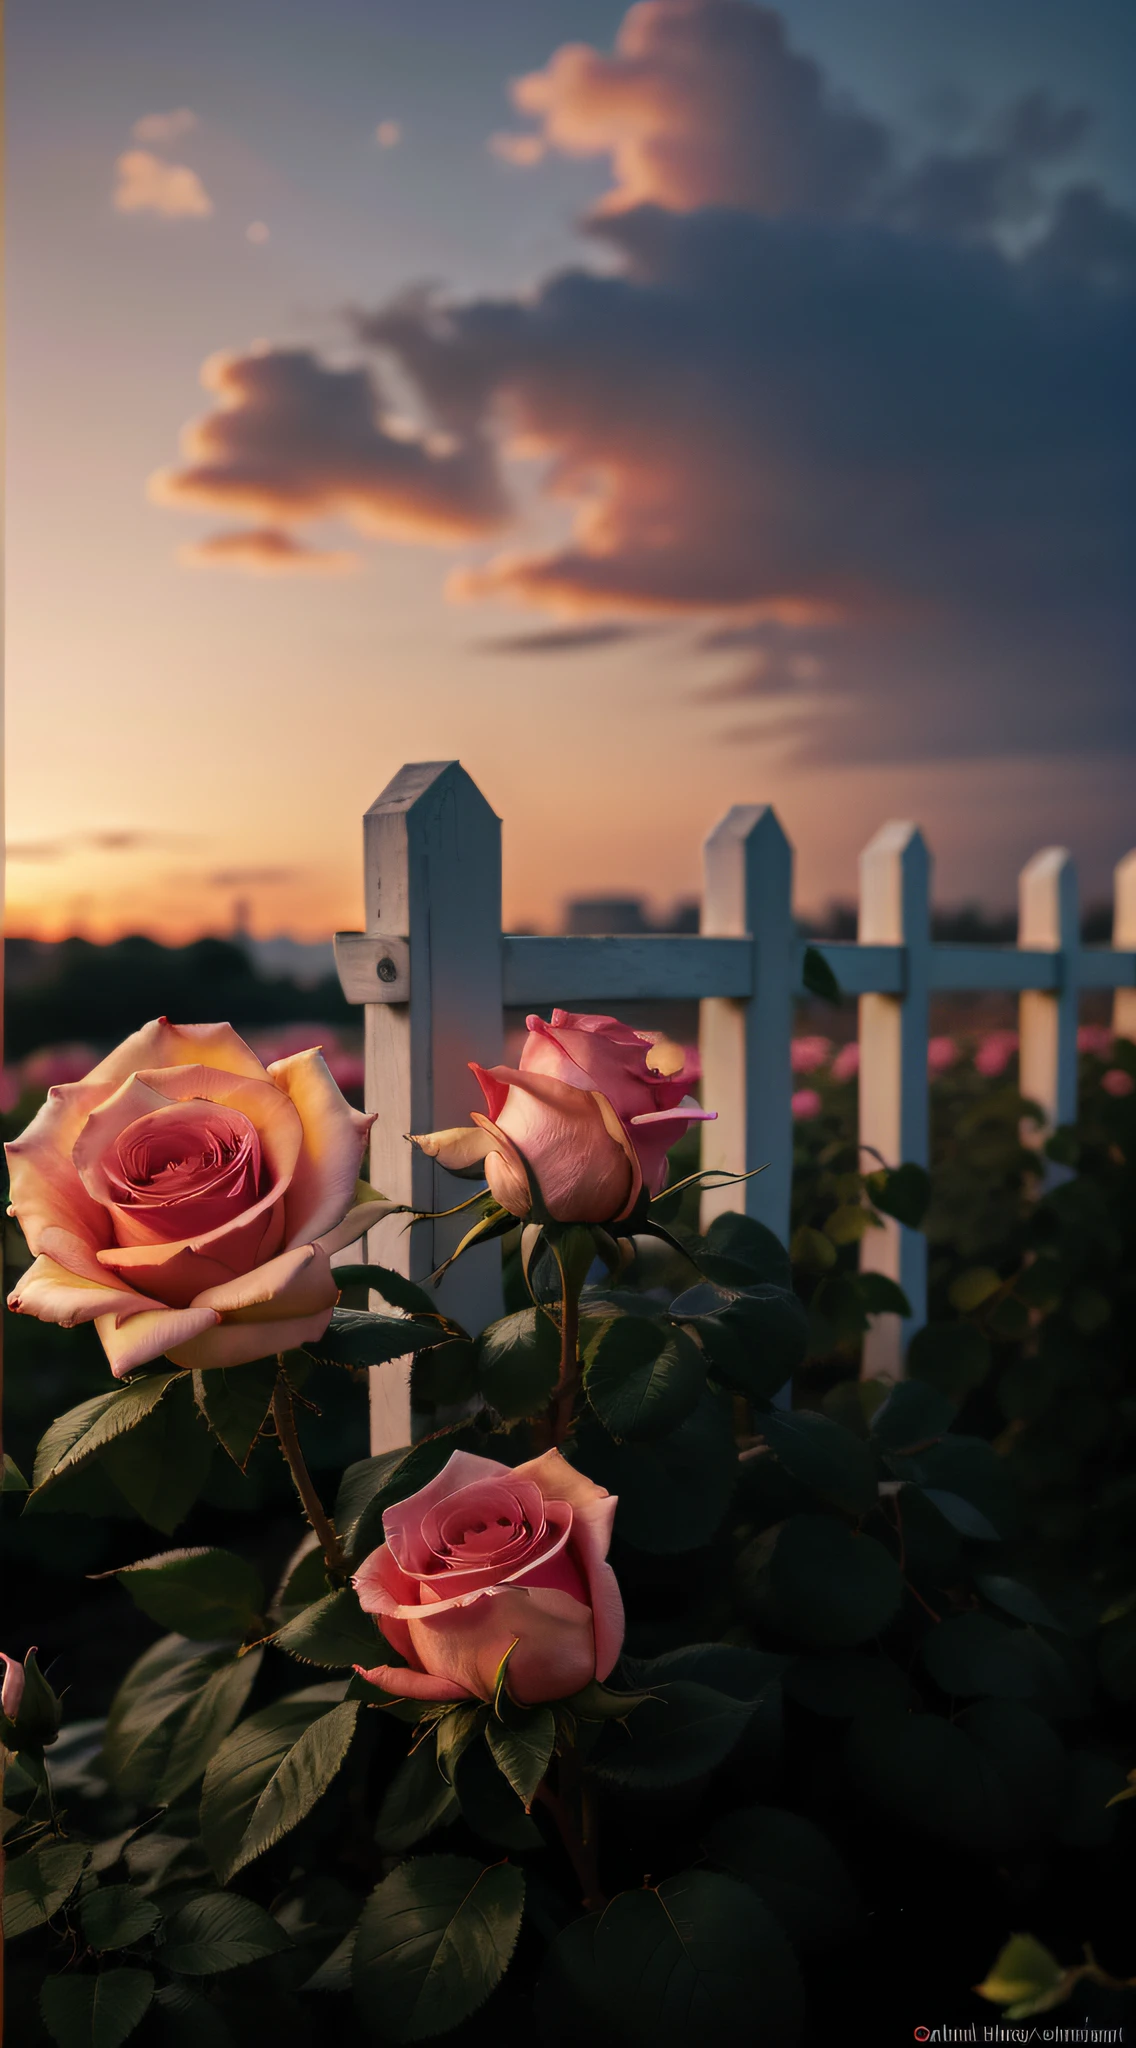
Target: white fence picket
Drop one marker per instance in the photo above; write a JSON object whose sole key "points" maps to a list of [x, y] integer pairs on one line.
{"points": [[433, 971], [895, 875]]}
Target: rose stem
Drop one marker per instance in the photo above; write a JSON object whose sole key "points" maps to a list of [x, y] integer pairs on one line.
{"points": [[564, 1397], [579, 1846], [284, 1416]]}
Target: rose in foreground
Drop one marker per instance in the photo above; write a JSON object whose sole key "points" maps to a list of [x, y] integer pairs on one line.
{"points": [[185, 1198], [487, 1557], [582, 1124]]}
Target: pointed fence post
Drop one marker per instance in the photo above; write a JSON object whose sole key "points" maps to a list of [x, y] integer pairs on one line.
{"points": [[1124, 934], [1048, 918], [432, 861], [895, 877], [748, 889]]}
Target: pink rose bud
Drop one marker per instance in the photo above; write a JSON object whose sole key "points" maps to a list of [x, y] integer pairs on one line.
{"points": [[585, 1120], [486, 1557], [12, 1689], [941, 1055], [186, 1199]]}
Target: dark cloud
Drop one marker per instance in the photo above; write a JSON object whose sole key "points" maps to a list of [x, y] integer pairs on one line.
{"points": [[292, 439], [560, 639]]}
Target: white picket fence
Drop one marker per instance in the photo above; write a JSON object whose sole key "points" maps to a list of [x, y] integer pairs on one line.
{"points": [[433, 971]]}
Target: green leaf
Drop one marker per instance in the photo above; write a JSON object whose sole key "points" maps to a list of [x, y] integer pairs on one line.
{"points": [[643, 1378], [970, 1288], [522, 1754], [596, 1702], [741, 1252], [682, 1731], [417, 1800], [913, 1413], [204, 1594], [927, 1773], [901, 1191], [745, 1674], [973, 1653], [847, 1682], [334, 1973], [173, 1708], [434, 1939], [953, 1357], [753, 1341], [673, 1493], [269, 1773], [360, 1336], [96, 1423], [456, 1730], [819, 978], [304, 1581], [792, 1867], [95, 2012], [699, 1958], [163, 1463], [824, 1456], [1029, 1757], [394, 1288], [830, 1586], [191, 2020], [38, 1882], [488, 1802], [235, 1404], [11, 1478], [1024, 1978], [966, 1480], [333, 1632], [882, 1296], [812, 1249], [117, 1917], [1018, 1599], [518, 1359], [838, 1313], [217, 1932]]}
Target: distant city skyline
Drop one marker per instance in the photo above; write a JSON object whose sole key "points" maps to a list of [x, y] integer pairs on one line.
{"points": [[654, 408]]}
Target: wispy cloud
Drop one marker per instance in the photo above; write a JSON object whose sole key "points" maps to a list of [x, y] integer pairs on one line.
{"points": [[146, 184], [113, 839], [560, 639], [168, 127], [520, 150], [388, 134], [252, 878], [267, 551]]}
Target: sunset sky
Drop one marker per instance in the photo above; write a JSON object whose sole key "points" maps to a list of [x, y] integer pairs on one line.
{"points": [[656, 410]]}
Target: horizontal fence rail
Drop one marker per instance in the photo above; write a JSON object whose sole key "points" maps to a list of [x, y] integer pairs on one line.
{"points": [[435, 972]]}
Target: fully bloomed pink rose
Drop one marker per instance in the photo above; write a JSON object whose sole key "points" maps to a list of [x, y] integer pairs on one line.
{"points": [[486, 1556], [589, 1113], [186, 1199]]}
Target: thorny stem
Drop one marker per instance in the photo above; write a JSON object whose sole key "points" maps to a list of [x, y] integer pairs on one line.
{"points": [[568, 1381], [284, 1416], [577, 1836]]}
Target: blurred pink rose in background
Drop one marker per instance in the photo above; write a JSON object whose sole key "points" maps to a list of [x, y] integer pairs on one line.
{"points": [[11, 1088], [807, 1054], [995, 1052], [846, 1065], [806, 1102], [942, 1053], [54, 1065], [1117, 1082], [1096, 1038]]}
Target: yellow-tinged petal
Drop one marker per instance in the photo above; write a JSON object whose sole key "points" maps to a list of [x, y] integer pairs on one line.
{"points": [[459, 1150], [297, 1283], [334, 1141], [162, 1044], [55, 1295], [137, 1339], [238, 1343]]}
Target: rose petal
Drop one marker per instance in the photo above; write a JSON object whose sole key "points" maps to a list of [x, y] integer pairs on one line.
{"points": [[593, 1512], [55, 1295], [334, 1141], [136, 1339], [178, 1273], [46, 1191], [379, 1578], [239, 1342], [554, 1654], [297, 1283], [402, 1523], [585, 1170], [458, 1150], [162, 1044], [414, 1685]]}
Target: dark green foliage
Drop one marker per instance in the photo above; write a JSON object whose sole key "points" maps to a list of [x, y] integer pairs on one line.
{"points": [[433, 1940]]}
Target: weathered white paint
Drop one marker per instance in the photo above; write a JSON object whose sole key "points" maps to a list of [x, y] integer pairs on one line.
{"points": [[432, 861], [1048, 919], [895, 874], [432, 857], [748, 889]]}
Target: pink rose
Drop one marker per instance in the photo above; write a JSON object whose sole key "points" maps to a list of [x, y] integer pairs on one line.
{"points": [[185, 1198], [995, 1053], [807, 1054], [846, 1065], [487, 1556], [1117, 1082], [806, 1103], [592, 1110], [12, 1690], [942, 1053]]}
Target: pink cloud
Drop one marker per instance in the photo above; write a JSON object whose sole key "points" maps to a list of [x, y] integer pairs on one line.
{"points": [[145, 184], [265, 550]]}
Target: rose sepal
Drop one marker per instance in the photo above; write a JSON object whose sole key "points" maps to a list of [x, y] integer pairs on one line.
{"points": [[35, 1724]]}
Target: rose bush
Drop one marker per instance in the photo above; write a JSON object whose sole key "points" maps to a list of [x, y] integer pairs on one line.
{"points": [[185, 1199], [486, 1559], [581, 1125]]}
